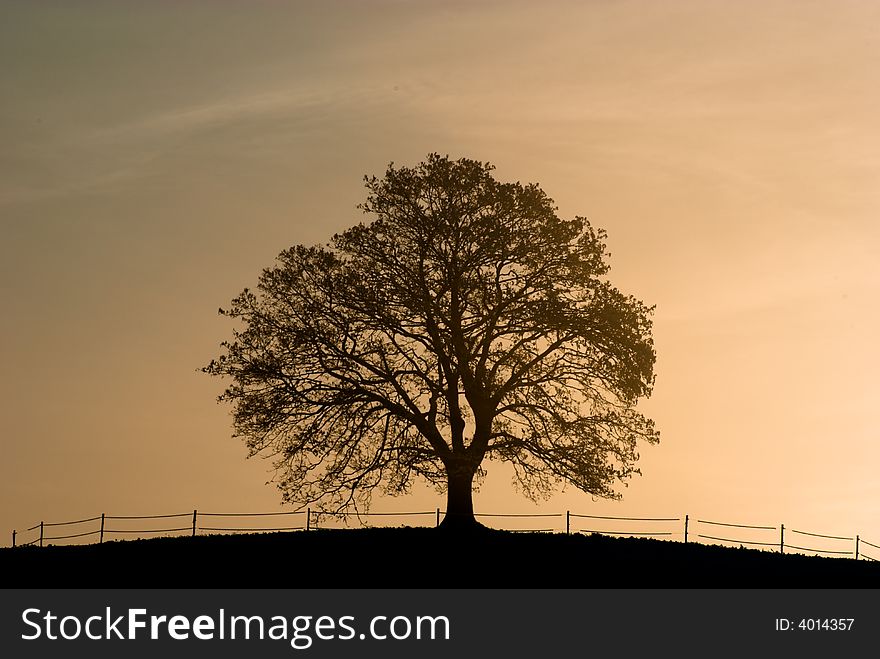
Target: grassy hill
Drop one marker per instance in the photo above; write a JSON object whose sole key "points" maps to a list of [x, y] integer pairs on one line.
{"points": [[423, 558]]}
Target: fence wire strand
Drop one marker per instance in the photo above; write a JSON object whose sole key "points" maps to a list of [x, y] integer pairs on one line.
{"points": [[819, 535], [286, 512], [279, 528], [78, 521], [742, 542], [517, 514], [630, 519], [65, 537], [182, 528], [739, 526], [821, 551], [345, 514], [147, 516], [626, 532]]}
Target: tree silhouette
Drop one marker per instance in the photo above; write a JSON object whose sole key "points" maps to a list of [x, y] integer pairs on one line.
{"points": [[466, 321]]}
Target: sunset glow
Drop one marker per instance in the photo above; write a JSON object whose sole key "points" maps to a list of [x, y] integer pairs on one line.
{"points": [[157, 156]]}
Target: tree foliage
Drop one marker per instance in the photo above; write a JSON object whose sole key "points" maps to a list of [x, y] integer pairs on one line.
{"points": [[465, 321]]}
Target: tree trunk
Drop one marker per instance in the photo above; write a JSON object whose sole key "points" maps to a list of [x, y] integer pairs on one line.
{"points": [[459, 498]]}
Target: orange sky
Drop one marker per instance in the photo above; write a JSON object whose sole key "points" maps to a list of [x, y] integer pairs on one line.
{"points": [[156, 156]]}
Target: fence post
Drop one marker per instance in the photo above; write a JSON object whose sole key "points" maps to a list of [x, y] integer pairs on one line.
{"points": [[438, 517], [308, 519], [41, 534], [685, 529], [782, 538], [195, 514], [567, 522], [101, 541], [13, 538], [857, 546]]}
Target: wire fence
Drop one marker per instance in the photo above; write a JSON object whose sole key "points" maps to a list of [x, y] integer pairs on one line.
{"points": [[686, 529]]}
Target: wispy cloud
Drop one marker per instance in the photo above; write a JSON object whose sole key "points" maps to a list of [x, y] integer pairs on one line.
{"points": [[89, 159]]}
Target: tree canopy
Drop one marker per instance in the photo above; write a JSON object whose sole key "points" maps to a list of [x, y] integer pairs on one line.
{"points": [[466, 321]]}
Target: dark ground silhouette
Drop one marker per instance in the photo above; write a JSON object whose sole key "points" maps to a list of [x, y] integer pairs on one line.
{"points": [[422, 558]]}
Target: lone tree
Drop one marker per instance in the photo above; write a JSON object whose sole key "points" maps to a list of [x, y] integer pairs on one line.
{"points": [[466, 321]]}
